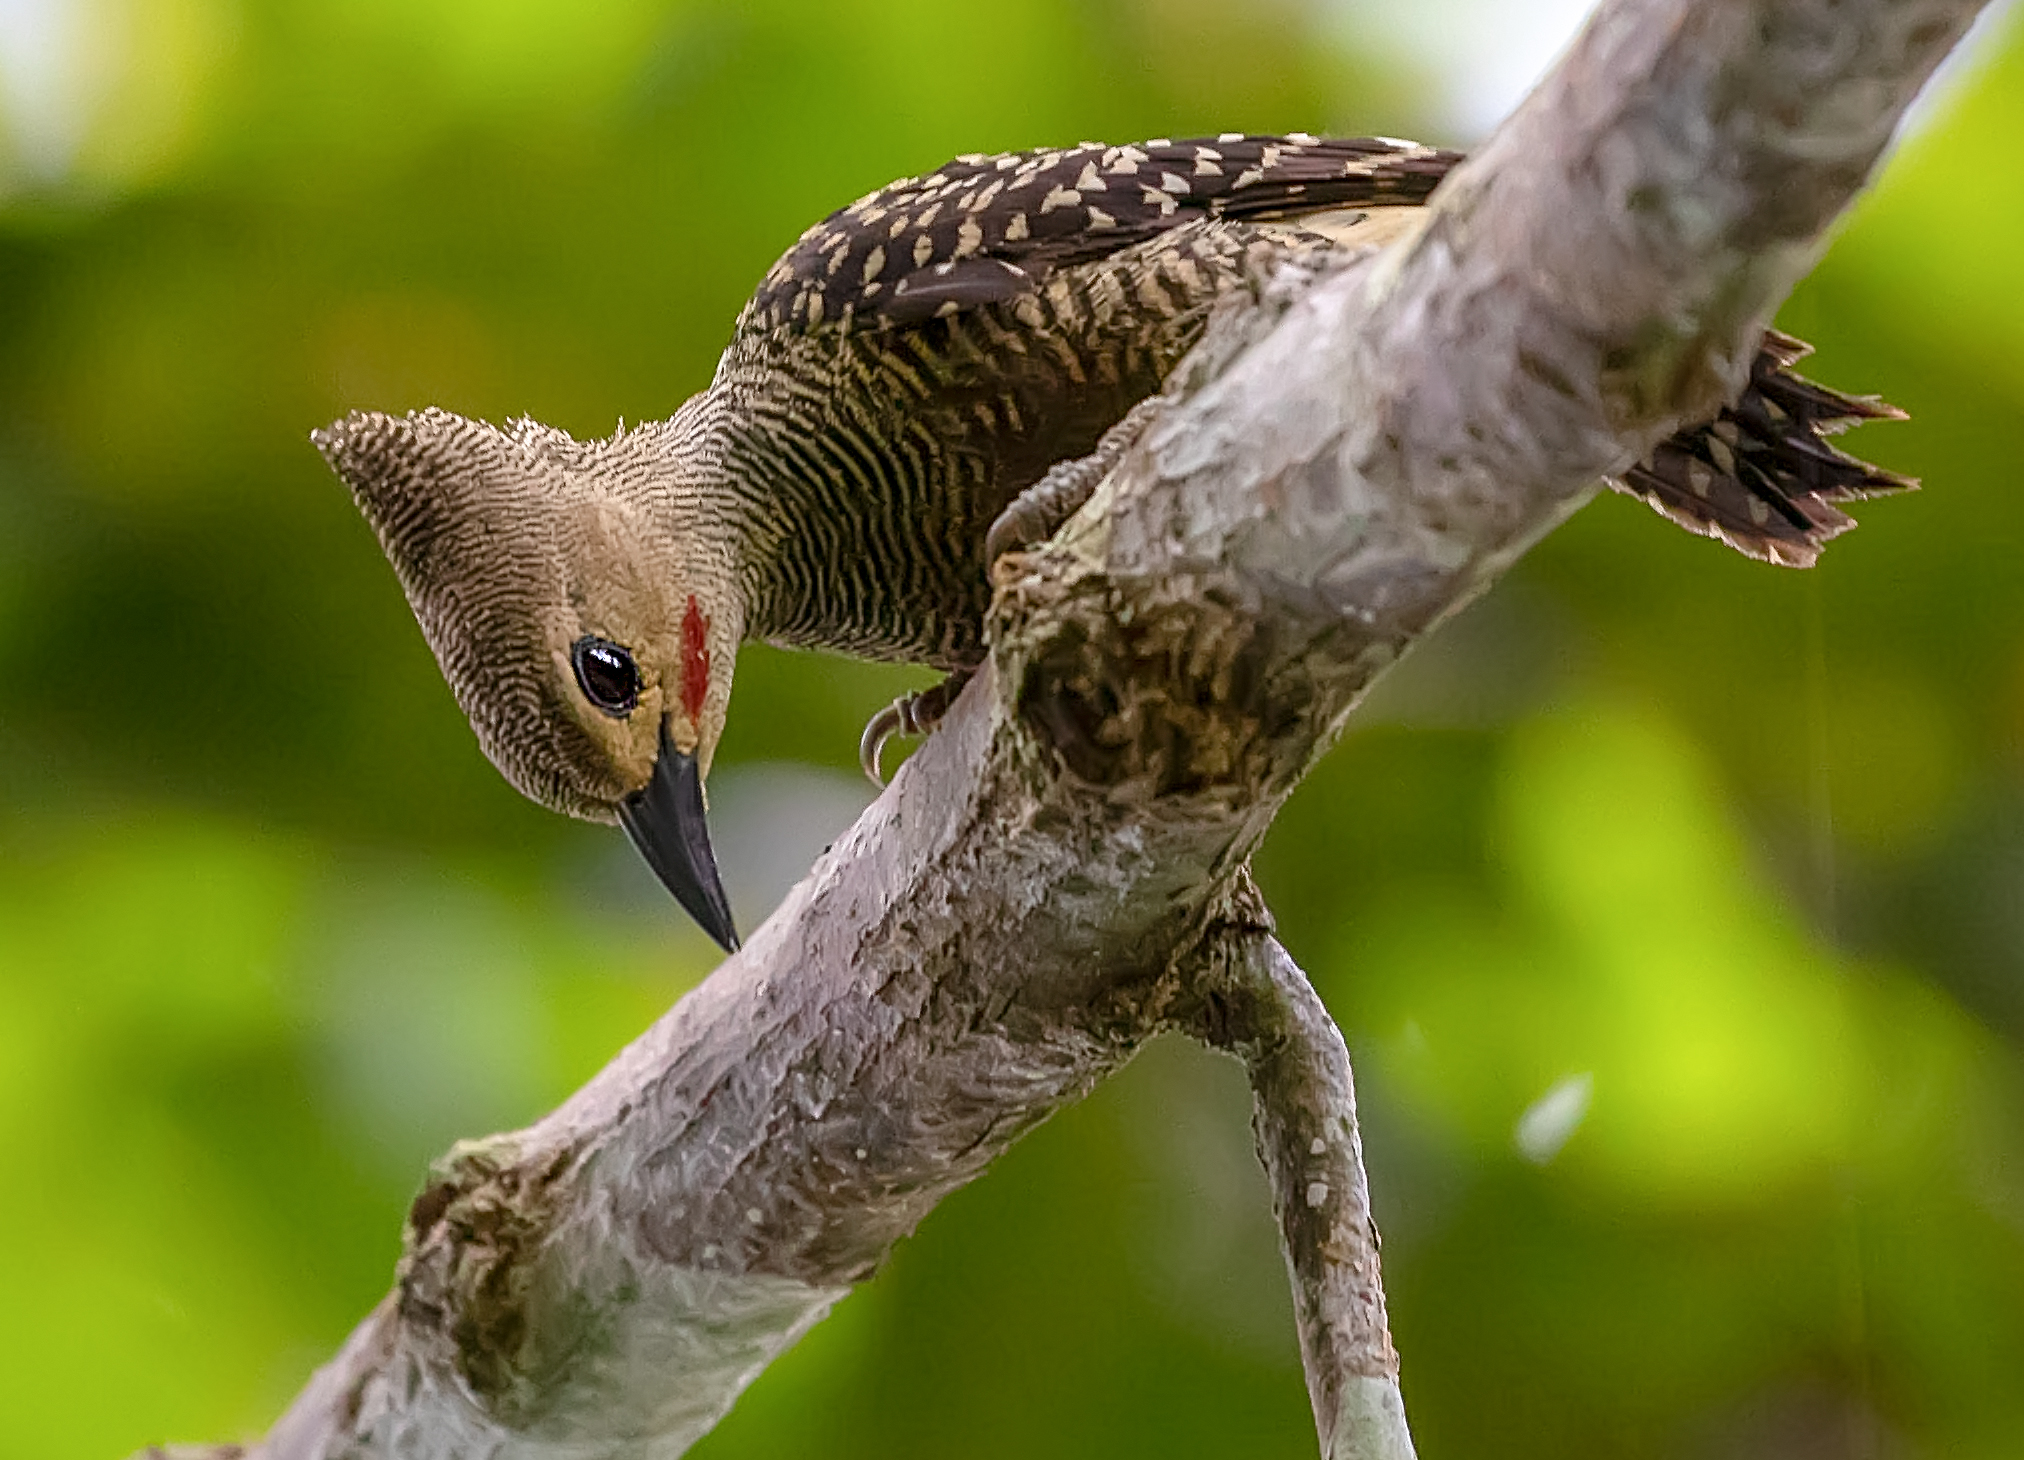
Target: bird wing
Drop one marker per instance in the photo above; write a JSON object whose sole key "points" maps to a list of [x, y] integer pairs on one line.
{"points": [[985, 229], [988, 230]]}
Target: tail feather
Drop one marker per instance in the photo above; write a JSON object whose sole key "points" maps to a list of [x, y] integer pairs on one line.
{"points": [[1762, 476]]}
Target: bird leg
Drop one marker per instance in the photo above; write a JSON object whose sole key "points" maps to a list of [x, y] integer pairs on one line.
{"points": [[1034, 516], [1038, 512], [910, 714]]}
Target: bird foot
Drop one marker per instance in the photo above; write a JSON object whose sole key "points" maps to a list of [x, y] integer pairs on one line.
{"points": [[1037, 513], [911, 714]]}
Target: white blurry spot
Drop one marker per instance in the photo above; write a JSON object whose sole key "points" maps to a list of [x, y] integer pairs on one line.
{"points": [[1991, 28], [769, 821], [1485, 54], [41, 99], [104, 95], [1548, 1122]]}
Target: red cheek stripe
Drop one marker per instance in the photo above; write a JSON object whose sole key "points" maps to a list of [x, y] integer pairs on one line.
{"points": [[695, 659]]}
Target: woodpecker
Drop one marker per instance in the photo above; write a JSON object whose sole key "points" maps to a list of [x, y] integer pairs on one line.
{"points": [[930, 376]]}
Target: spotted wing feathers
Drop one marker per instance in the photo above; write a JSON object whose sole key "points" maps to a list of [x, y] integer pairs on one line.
{"points": [[1761, 476], [983, 229]]}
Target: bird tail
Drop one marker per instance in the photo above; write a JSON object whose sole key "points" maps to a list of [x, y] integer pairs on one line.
{"points": [[1762, 476]]}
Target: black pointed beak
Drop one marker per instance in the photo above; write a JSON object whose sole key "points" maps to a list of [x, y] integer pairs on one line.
{"points": [[665, 821]]}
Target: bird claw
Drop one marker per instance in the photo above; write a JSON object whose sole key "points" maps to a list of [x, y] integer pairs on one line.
{"points": [[877, 731], [1037, 513], [911, 714]]}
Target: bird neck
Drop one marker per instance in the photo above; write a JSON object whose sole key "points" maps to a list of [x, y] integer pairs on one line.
{"points": [[728, 485], [682, 474]]}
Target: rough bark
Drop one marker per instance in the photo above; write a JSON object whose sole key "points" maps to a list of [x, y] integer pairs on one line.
{"points": [[1059, 873], [1253, 1000]]}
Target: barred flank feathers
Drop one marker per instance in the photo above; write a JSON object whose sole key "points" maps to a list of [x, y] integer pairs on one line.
{"points": [[1761, 476]]}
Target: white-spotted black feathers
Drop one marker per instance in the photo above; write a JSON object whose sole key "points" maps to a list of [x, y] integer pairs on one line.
{"points": [[986, 229]]}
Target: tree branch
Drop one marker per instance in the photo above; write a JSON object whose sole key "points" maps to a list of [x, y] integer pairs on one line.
{"points": [[1256, 1003], [1347, 462]]}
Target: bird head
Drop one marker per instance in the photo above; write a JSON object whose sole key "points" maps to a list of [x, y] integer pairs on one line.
{"points": [[586, 626]]}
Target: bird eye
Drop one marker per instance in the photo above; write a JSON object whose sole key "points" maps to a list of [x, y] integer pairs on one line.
{"points": [[606, 674]]}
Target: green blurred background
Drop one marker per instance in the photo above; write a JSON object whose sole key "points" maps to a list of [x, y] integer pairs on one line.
{"points": [[1672, 905]]}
